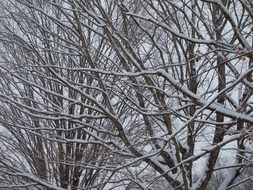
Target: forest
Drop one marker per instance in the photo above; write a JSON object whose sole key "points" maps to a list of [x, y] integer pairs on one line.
{"points": [[126, 94]]}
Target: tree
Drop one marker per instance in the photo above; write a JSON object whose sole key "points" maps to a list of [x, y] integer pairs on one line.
{"points": [[125, 94]]}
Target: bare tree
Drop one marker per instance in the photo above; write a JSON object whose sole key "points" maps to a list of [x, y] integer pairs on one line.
{"points": [[125, 94]]}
